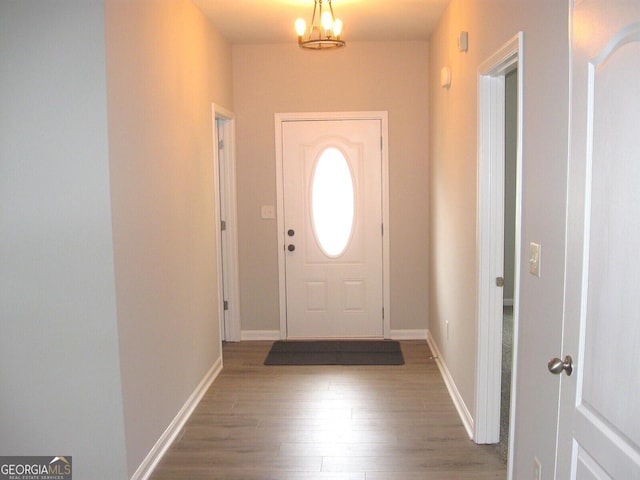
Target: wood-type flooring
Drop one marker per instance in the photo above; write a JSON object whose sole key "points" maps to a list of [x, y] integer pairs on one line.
{"points": [[327, 423]]}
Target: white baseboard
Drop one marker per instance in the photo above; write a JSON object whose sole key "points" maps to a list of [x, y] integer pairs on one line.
{"points": [[418, 334], [147, 466], [249, 335], [463, 411]]}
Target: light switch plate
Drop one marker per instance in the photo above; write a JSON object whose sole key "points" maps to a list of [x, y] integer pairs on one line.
{"points": [[534, 259]]}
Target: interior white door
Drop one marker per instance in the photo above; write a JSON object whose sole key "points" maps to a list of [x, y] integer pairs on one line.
{"points": [[332, 177], [599, 422]]}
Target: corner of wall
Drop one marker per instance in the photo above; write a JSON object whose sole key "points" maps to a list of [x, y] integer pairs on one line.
{"points": [[458, 401]]}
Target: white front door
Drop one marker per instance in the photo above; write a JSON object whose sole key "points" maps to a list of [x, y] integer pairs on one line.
{"points": [[332, 177], [599, 426]]}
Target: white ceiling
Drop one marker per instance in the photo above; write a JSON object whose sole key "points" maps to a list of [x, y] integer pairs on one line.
{"points": [[271, 21]]}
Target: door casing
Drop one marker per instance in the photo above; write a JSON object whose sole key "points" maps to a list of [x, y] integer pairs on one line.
{"points": [[225, 200], [491, 160], [280, 118]]}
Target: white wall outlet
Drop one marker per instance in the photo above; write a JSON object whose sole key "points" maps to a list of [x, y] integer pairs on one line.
{"points": [[534, 259], [537, 469], [268, 211]]}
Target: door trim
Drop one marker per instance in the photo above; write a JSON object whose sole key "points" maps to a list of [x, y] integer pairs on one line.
{"points": [[382, 116], [490, 241], [226, 185]]}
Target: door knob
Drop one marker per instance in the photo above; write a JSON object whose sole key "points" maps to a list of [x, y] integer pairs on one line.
{"points": [[291, 232], [557, 366], [291, 247]]}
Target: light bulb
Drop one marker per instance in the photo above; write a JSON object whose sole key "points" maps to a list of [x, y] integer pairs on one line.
{"points": [[337, 27], [327, 20], [301, 26]]}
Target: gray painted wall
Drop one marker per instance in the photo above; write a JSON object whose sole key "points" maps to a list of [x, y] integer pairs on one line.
{"points": [[453, 149], [59, 362], [108, 293], [283, 78], [166, 66]]}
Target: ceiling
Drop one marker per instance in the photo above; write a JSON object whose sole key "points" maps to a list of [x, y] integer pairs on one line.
{"points": [[271, 21]]}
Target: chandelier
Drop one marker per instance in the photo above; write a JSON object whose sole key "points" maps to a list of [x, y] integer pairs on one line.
{"points": [[324, 31]]}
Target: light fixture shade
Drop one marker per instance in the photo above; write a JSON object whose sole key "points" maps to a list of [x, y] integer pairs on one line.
{"points": [[324, 31], [337, 27], [327, 20], [301, 26]]}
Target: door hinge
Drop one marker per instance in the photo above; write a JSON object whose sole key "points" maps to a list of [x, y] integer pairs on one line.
{"points": [[220, 144], [381, 140], [382, 229], [225, 305], [223, 225], [383, 313]]}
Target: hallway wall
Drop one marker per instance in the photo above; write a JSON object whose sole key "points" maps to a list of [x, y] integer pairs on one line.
{"points": [[453, 181], [59, 358], [283, 78], [108, 291], [165, 67]]}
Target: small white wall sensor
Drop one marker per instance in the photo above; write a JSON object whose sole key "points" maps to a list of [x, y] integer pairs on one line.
{"points": [[445, 77]]}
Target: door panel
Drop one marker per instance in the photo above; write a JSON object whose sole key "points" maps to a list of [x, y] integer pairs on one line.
{"points": [[588, 468], [599, 427], [335, 294]]}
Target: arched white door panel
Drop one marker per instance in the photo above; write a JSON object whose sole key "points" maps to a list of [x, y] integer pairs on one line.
{"points": [[599, 427]]}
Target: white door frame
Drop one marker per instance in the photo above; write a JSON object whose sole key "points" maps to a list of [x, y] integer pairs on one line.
{"points": [[490, 241], [225, 185], [280, 118]]}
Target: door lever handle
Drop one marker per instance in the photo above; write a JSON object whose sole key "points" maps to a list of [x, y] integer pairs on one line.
{"points": [[557, 366]]}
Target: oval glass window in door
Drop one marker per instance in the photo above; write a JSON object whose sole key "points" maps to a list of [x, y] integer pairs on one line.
{"points": [[332, 202]]}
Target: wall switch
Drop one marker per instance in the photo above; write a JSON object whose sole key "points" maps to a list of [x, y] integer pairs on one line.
{"points": [[534, 259], [537, 469], [268, 211]]}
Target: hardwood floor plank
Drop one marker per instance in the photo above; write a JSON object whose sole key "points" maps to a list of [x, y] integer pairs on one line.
{"points": [[207, 474], [414, 462], [453, 475], [327, 423]]}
